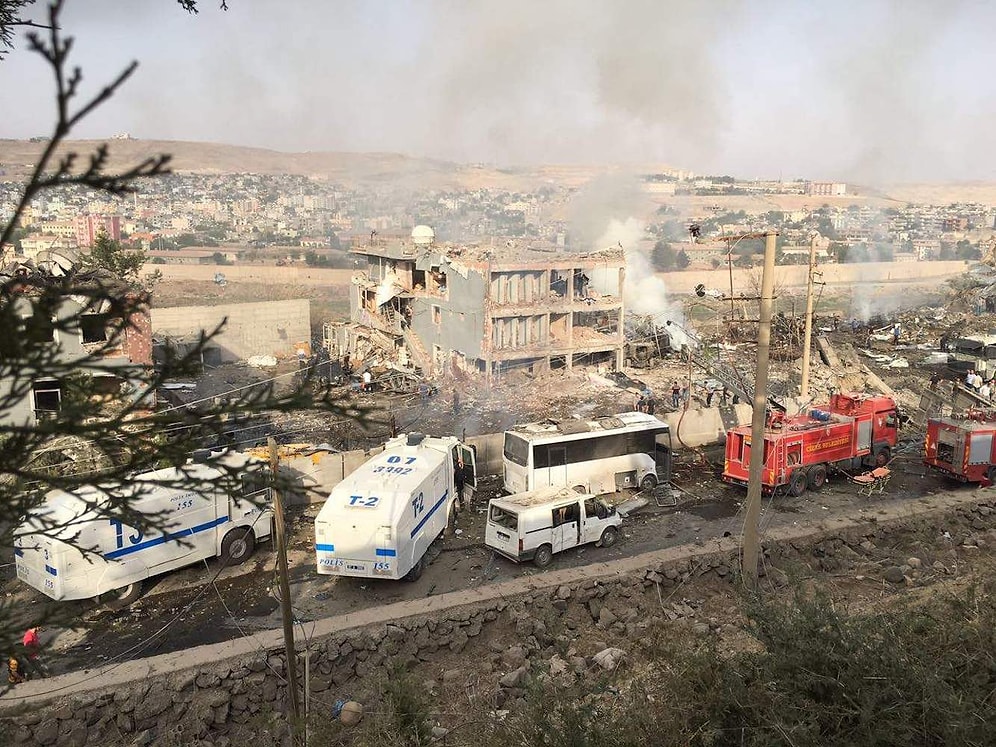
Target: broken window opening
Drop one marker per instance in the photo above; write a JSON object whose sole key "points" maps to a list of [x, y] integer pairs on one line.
{"points": [[47, 396], [40, 329], [93, 328], [437, 315], [558, 283]]}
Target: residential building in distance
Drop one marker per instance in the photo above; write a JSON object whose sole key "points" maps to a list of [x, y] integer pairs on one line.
{"points": [[488, 309], [827, 189], [89, 226]]}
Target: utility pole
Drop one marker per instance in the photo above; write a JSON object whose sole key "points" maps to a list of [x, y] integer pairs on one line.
{"points": [[285, 607], [751, 544], [807, 337]]}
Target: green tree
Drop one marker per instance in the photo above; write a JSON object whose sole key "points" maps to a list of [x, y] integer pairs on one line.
{"points": [[110, 255], [682, 261], [663, 256], [85, 439]]}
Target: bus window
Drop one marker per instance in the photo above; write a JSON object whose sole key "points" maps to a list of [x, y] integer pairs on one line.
{"points": [[516, 449]]}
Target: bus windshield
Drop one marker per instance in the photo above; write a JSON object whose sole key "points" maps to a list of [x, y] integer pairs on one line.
{"points": [[516, 449]]}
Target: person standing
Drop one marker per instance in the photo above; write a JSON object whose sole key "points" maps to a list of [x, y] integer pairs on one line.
{"points": [[32, 651], [675, 394], [367, 381]]}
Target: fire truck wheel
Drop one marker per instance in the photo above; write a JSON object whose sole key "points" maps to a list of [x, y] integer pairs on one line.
{"points": [[882, 456], [237, 546], [121, 598], [544, 556], [817, 477], [797, 483], [991, 475]]}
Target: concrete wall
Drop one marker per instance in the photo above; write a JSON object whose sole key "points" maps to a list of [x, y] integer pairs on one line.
{"points": [[314, 475], [255, 274], [264, 328], [461, 323], [230, 689], [794, 276], [708, 425]]}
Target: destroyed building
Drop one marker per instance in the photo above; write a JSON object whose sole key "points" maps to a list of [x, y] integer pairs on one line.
{"points": [[485, 309], [82, 329]]}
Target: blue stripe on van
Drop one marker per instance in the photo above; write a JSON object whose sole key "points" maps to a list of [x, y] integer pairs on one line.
{"points": [[325, 548], [166, 538], [429, 513], [51, 570], [384, 553]]}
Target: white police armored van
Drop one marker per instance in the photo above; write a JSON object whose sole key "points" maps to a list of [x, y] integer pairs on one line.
{"points": [[380, 520], [200, 524]]}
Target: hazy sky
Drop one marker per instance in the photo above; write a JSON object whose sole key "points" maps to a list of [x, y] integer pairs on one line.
{"points": [[851, 89]]}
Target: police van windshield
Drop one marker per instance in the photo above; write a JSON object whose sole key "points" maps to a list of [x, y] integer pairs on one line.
{"points": [[504, 518], [516, 449]]}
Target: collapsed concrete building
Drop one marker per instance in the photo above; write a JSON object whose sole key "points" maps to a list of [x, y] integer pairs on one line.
{"points": [[486, 309], [83, 332]]}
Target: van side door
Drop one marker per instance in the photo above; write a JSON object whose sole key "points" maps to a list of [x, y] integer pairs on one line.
{"points": [[592, 523], [566, 527]]}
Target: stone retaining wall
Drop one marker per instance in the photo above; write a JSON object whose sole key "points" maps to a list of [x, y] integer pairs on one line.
{"points": [[513, 638]]}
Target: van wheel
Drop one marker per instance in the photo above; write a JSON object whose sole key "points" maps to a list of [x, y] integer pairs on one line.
{"points": [[649, 482], [118, 599], [237, 546], [416, 572], [797, 483], [609, 537], [544, 556], [817, 477]]}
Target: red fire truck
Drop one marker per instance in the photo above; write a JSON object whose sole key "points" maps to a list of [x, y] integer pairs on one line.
{"points": [[852, 432], [962, 447]]}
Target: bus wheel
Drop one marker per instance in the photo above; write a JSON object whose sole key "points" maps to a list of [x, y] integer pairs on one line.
{"points": [[817, 477], [237, 546], [797, 483], [649, 482], [123, 597], [416, 572], [609, 537], [544, 556], [882, 456]]}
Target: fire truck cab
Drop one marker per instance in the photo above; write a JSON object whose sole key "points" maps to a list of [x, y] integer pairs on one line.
{"points": [[962, 448], [851, 432]]}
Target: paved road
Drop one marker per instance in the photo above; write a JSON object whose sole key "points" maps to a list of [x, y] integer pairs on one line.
{"points": [[185, 608]]}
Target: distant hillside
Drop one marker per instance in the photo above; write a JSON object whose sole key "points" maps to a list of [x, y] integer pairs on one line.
{"points": [[18, 156]]}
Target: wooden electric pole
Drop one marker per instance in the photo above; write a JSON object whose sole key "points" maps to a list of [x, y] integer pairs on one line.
{"points": [[285, 605], [751, 544], [808, 335]]}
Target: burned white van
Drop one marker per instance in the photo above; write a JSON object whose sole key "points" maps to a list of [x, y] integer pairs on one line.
{"points": [[537, 524]]}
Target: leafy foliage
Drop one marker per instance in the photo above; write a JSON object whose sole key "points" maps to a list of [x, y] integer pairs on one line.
{"points": [[74, 331], [110, 255]]}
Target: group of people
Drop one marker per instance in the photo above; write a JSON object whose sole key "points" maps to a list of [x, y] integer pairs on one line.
{"points": [[982, 387], [17, 665]]}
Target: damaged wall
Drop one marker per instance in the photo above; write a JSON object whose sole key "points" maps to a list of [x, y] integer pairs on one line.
{"points": [[263, 328], [227, 690]]}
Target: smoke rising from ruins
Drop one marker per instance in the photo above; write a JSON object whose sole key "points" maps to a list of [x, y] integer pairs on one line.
{"points": [[863, 91]]}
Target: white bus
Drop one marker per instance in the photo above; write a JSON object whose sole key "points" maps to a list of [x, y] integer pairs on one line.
{"points": [[592, 456]]}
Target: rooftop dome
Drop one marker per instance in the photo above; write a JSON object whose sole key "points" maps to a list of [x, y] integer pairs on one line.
{"points": [[423, 235]]}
